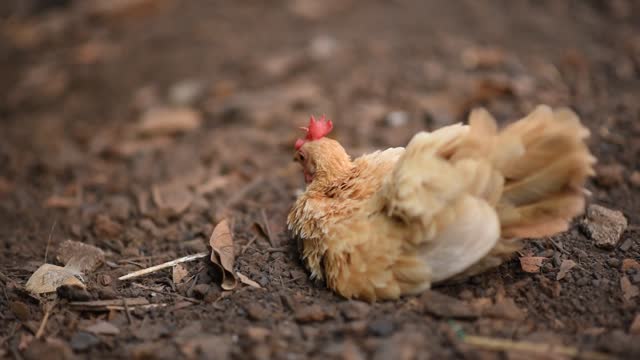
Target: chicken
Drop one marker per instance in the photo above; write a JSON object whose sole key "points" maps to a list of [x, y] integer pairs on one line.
{"points": [[453, 203]]}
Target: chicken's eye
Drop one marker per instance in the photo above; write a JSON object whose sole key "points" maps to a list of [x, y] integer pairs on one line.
{"points": [[301, 157]]}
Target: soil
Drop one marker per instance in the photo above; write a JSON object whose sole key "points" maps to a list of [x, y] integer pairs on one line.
{"points": [[78, 77]]}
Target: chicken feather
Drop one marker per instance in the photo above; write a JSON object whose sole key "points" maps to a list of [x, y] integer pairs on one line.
{"points": [[453, 203]]}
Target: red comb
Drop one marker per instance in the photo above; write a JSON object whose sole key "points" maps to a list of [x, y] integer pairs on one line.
{"points": [[316, 130]]}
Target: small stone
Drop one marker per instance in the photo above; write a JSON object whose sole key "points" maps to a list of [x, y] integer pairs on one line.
{"points": [[257, 334], [630, 264], [547, 253], [82, 341], [396, 119], [604, 226], [200, 290], [185, 92], [354, 310], [613, 262], [626, 245], [312, 313], [610, 175], [257, 312], [382, 327], [445, 306], [103, 328]]}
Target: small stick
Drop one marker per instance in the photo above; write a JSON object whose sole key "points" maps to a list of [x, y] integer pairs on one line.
{"points": [[506, 344], [244, 248], [126, 310], [168, 264], [45, 318]]}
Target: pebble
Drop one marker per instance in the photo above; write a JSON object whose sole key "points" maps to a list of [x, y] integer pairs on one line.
{"points": [[613, 262], [396, 119], [381, 327], [446, 306], [604, 226], [81, 341], [312, 313], [354, 310], [257, 334]]}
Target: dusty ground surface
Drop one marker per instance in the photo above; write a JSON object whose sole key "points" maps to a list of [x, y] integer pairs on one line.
{"points": [[78, 79]]}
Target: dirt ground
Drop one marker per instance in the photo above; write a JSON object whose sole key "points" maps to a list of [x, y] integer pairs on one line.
{"points": [[81, 158]]}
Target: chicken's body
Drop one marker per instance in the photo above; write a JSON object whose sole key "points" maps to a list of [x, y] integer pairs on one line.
{"points": [[453, 203]]}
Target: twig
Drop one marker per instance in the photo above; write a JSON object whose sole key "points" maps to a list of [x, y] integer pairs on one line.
{"points": [[126, 311], [537, 348], [166, 293], [168, 264], [46, 250], [131, 263], [244, 248], [239, 195], [266, 226], [45, 318], [4, 278]]}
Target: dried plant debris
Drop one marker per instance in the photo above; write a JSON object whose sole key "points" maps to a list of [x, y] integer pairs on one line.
{"points": [[179, 273], [78, 258], [223, 255], [174, 197], [531, 264], [565, 266], [169, 121]]}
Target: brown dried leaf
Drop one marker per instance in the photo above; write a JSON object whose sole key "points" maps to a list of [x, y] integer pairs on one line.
{"points": [[564, 268], [179, 273], [630, 264], [168, 121], [223, 253], [629, 291], [531, 264], [80, 257], [49, 277], [172, 196], [245, 280]]}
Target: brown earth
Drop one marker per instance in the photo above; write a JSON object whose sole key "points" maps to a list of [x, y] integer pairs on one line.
{"points": [[77, 77]]}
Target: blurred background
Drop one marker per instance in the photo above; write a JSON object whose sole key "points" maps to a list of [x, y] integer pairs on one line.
{"points": [[135, 125]]}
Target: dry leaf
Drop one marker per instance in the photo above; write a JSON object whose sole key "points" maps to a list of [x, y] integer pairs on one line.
{"points": [[630, 264], [223, 253], [172, 196], [179, 273], [629, 291], [531, 264], [564, 268], [245, 280], [167, 121], [80, 257], [50, 277], [634, 328]]}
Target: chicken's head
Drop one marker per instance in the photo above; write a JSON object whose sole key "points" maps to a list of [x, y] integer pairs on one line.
{"points": [[318, 155]]}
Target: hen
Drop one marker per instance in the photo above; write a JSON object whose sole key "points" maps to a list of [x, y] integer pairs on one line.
{"points": [[453, 203]]}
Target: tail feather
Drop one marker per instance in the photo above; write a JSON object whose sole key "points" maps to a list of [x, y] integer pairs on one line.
{"points": [[543, 162]]}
